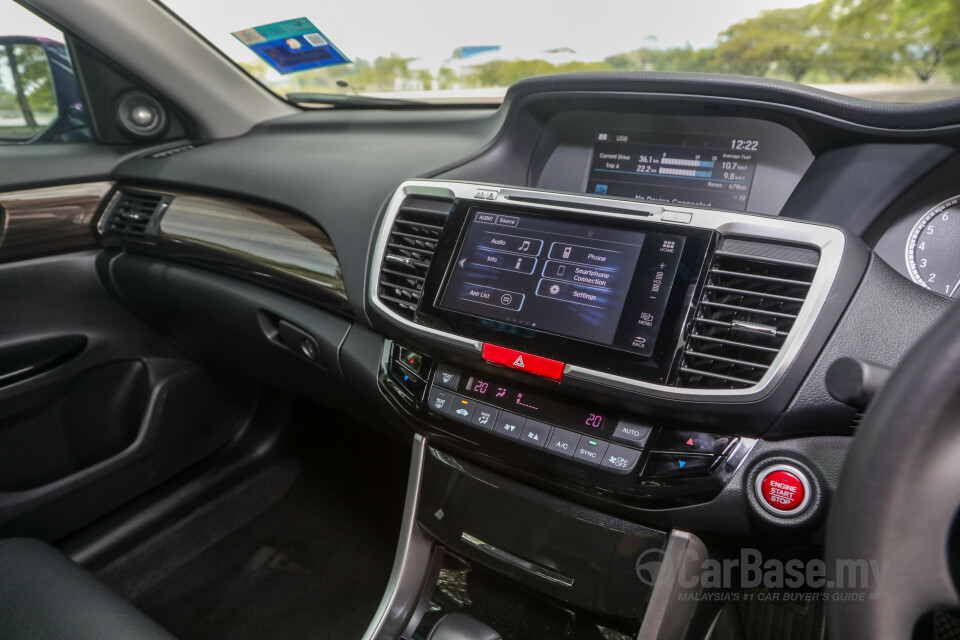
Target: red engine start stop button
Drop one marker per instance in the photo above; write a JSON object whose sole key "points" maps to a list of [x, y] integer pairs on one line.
{"points": [[783, 490]]}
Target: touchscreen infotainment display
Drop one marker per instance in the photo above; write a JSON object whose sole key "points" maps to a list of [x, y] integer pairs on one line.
{"points": [[602, 284], [679, 169]]}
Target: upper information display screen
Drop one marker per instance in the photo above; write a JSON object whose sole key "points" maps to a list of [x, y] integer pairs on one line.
{"points": [[602, 284], [688, 170]]}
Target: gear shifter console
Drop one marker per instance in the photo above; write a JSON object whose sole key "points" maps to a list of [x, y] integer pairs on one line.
{"points": [[459, 626]]}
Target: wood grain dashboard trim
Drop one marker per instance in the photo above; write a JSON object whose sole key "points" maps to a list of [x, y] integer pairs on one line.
{"points": [[37, 222], [262, 244]]}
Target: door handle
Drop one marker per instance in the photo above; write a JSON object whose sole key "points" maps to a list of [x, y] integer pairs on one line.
{"points": [[27, 359]]}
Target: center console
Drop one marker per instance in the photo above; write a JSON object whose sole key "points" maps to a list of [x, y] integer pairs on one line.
{"points": [[575, 364], [614, 347]]}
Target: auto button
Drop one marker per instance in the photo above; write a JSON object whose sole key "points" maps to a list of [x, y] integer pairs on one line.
{"points": [[632, 432]]}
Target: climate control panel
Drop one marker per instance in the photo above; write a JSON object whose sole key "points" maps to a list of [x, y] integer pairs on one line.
{"points": [[586, 435], [575, 442]]}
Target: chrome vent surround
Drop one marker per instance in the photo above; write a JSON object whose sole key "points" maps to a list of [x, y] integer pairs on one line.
{"points": [[750, 301], [134, 213], [774, 233], [409, 251]]}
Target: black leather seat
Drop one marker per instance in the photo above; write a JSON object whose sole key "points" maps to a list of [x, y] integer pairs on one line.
{"points": [[45, 595]]}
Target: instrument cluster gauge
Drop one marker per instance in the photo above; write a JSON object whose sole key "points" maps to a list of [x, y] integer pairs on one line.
{"points": [[933, 249]]}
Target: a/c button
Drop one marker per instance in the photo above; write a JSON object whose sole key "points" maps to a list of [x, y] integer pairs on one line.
{"points": [[563, 442]]}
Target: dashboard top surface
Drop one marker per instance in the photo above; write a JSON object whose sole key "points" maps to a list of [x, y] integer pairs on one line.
{"points": [[337, 168]]}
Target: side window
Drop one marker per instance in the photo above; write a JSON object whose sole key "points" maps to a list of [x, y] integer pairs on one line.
{"points": [[40, 97]]}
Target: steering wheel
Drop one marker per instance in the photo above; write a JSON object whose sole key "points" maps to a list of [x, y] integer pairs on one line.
{"points": [[898, 495]]}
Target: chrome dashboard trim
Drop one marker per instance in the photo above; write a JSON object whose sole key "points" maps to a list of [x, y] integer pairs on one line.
{"points": [[829, 240], [673, 600], [517, 562], [411, 563], [421, 188]]}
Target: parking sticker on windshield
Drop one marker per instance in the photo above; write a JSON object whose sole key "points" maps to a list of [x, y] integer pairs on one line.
{"points": [[292, 45]]}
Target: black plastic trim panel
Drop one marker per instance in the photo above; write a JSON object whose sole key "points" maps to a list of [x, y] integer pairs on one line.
{"points": [[335, 167], [232, 324], [868, 113], [338, 166], [595, 552], [886, 317]]}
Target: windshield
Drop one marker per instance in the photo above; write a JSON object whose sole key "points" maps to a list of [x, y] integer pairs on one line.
{"points": [[455, 51]]}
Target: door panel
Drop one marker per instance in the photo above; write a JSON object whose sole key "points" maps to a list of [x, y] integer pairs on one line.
{"points": [[95, 407], [21, 361], [92, 421]]}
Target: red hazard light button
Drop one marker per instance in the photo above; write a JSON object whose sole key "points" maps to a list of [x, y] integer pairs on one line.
{"points": [[783, 490], [520, 361]]}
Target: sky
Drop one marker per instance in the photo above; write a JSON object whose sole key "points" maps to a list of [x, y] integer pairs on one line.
{"points": [[432, 29], [17, 21]]}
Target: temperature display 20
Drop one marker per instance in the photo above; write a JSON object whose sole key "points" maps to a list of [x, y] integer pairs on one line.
{"points": [[594, 420], [536, 406]]}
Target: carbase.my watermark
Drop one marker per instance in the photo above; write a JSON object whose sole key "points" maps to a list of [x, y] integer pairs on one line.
{"points": [[751, 571]]}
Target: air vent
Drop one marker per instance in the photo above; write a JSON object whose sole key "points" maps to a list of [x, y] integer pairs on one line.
{"points": [[166, 153], [751, 299], [410, 248], [135, 212]]}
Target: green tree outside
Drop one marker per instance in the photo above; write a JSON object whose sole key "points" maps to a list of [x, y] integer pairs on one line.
{"points": [[27, 99], [830, 41], [922, 36]]}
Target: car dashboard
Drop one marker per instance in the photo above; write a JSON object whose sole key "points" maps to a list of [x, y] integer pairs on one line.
{"points": [[679, 262], [622, 292]]}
